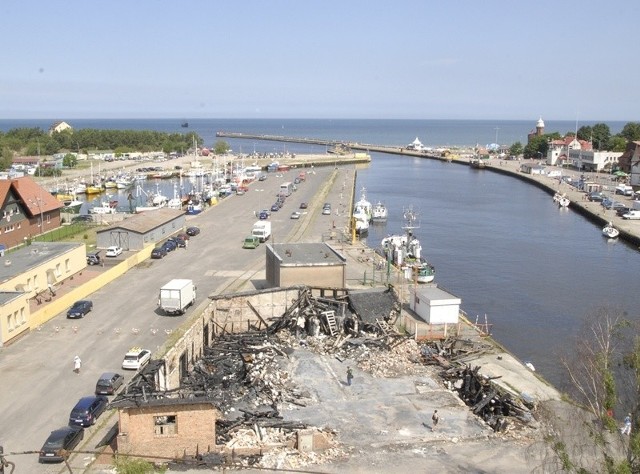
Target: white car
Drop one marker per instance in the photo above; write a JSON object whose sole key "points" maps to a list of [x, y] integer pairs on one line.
{"points": [[295, 215], [113, 251], [136, 358]]}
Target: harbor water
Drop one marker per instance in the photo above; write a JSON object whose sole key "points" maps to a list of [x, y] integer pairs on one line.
{"points": [[499, 244]]}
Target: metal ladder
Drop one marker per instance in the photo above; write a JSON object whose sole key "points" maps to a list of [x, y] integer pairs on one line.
{"points": [[330, 316]]}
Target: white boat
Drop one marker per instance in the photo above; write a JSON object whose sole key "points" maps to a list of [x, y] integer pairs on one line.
{"points": [[105, 207], [379, 213], [72, 206], [405, 252], [363, 206], [361, 221], [610, 231], [564, 201], [124, 183]]}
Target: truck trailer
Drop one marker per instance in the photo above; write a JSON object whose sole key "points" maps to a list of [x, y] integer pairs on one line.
{"points": [[176, 296], [262, 230]]}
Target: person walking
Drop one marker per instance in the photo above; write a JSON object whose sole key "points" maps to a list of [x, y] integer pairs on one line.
{"points": [[349, 376], [77, 363], [434, 420], [626, 429]]}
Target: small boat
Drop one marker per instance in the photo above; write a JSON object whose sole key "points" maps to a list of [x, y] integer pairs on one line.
{"points": [[72, 206], [379, 213], [124, 183], [105, 207], [610, 231], [477, 163], [564, 201], [94, 189], [110, 184], [184, 124]]}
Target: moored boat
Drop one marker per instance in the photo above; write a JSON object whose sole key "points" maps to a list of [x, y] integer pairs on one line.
{"points": [[610, 231], [72, 206], [405, 252], [379, 213], [105, 207]]}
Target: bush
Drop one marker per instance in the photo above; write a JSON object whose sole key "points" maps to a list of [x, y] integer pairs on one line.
{"points": [[127, 465]]}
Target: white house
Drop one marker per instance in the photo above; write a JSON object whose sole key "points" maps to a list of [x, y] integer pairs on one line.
{"points": [[59, 127], [435, 305]]}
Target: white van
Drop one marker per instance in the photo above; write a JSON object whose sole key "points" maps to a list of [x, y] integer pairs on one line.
{"points": [[632, 214], [624, 189]]}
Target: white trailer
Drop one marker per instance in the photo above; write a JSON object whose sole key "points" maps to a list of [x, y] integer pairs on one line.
{"points": [[262, 230], [176, 296]]}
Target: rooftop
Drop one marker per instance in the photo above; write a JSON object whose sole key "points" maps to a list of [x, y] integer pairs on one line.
{"points": [[32, 256], [305, 254]]}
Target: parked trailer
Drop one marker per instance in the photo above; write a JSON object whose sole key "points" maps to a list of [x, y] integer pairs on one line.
{"points": [[176, 296]]}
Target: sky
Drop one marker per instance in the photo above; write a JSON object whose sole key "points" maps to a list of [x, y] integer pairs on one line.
{"points": [[452, 59]]}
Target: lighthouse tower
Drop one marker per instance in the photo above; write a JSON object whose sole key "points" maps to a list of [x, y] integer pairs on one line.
{"points": [[540, 127]]}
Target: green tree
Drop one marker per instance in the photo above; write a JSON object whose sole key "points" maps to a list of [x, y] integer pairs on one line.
{"points": [[601, 134], [221, 147], [631, 131], [537, 147], [617, 143], [516, 149], [69, 160], [6, 158]]}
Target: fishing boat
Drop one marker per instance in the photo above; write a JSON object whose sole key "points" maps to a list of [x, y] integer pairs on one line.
{"points": [[363, 206], [71, 206], [610, 231], [124, 183], [379, 213], [105, 207], [477, 163], [405, 252]]}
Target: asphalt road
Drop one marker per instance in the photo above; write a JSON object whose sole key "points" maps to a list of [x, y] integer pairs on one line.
{"points": [[39, 385]]}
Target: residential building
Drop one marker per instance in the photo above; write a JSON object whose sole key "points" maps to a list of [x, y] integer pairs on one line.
{"points": [[26, 210], [58, 127], [629, 162]]}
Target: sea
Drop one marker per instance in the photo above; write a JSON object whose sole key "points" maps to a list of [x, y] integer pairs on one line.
{"points": [[518, 262]]}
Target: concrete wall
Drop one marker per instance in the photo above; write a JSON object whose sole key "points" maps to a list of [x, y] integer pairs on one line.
{"points": [[330, 276], [195, 430]]}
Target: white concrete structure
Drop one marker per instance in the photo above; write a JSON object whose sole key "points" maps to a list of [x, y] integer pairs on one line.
{"points": [[435, 305]]}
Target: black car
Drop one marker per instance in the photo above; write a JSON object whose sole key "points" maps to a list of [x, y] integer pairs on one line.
{"points": [[191, 231], [159, 252], [82, 218], [79, 309], [169, 246], [93, 258], [623, 210], [109, 383], [87, 410], [595, 197], [59, 441], [180, 243]]}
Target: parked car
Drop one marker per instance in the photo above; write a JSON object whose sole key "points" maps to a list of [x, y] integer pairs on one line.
{"points": [[192, 231], [303, 205], [178, 241], [169, 245], [623, 210], [275, 207], [79, 309], [183, 236], [135, 358], [263, 215], [113, 251], [109, 383], [82, 218], [632, 214], [262, 177], [59, 442], [595, 196], [159, 252], [87, 410], [295, 215], [93, 258], [251, 242]]}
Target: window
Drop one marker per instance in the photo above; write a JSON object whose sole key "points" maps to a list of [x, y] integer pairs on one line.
{"points": [[165, 425], [66, 265], [10, 322], [22, 318]]}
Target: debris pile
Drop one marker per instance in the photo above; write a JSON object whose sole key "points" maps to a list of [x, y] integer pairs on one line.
{"points": [[486, 400]]}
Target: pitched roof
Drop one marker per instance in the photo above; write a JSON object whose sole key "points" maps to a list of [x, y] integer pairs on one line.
{"points": [[34, 198], [145, 221]]}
